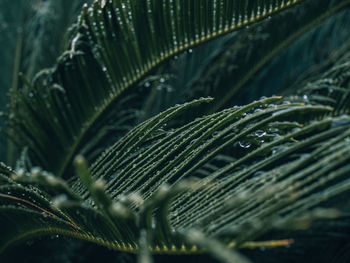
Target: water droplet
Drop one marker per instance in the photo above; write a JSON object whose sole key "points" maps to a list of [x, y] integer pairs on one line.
{"points": [[273, 130], [260, 133], [244, 144]]}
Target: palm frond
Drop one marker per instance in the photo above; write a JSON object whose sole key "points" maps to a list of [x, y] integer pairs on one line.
{"points": [[144, 183], [329, 87], [253, 49], [116, 43], [247, 177], [32, 33]]}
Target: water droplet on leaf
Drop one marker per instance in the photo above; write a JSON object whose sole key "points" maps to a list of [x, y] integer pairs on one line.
{"points": [[244, 144]]}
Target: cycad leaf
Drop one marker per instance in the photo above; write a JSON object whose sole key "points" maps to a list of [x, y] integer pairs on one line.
{"points": [[30, 42], [252, 51], [329, 87], [143, 183], [115, 45]]}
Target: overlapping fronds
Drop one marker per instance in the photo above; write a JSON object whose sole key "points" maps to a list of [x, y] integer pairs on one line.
{"points": [[213, 184], [330, 87], [270, 166], [114, 45], [32, 35], [251, 52]]}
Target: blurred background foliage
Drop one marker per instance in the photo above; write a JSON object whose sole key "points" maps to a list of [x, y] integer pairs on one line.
{"points": [[32, 36]]}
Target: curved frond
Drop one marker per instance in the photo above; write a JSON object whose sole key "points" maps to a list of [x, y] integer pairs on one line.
{"points": [[253, 50], [143, 188], [115, 45], [331, 87]]}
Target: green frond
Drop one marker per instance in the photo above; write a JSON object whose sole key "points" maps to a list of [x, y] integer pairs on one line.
{"points": [[327, 88], [247, 177], [115, 45], [32, 34], [142, 188], [228, 78]]}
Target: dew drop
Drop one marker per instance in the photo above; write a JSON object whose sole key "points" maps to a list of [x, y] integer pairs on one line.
{"points": [[244, 144], [260, 133], [273, 130]]}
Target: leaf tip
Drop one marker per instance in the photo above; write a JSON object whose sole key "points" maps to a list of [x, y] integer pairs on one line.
{"points": [[79, 160]]}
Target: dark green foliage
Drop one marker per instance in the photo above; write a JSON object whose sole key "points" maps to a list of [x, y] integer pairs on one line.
{"points": [[184, 151], [187, 179], [113, 46], [32, 36]]}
